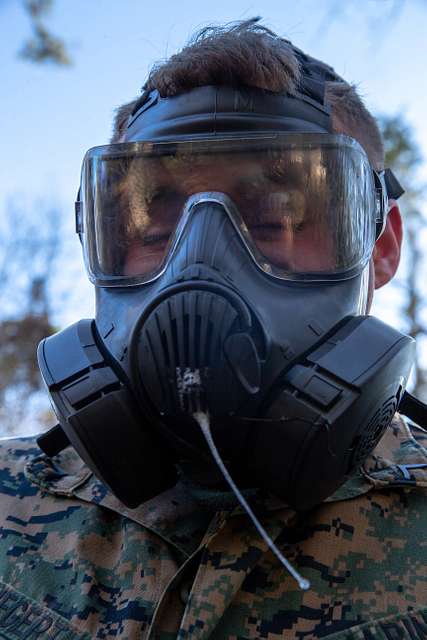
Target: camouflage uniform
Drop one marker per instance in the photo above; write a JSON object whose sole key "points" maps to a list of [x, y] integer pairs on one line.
{"points": [[75, 564]]}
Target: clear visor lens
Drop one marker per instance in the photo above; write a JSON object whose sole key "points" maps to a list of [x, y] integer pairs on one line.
{"points": [[305, 205]]}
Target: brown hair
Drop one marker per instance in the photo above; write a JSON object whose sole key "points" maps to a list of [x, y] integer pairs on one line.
{"points": [[248, 53]]}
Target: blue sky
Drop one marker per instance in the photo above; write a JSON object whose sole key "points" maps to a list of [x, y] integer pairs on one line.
{"points": [[50, 116]]}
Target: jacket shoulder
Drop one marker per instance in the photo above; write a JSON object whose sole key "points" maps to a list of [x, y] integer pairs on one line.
{"points": [[15, 453], [418, 433], [25, 504]]}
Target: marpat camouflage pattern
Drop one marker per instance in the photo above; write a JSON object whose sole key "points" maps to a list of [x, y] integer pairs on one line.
{"points": [[75, 564]]}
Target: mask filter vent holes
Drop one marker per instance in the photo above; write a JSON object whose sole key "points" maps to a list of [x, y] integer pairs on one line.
{"points": [[193, 339], [366, 442]]}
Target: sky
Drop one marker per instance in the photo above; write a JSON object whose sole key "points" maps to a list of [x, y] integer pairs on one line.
{"points": [[49, 116]]}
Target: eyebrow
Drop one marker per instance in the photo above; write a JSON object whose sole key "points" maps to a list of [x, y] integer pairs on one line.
{"points": [[291, 180]]}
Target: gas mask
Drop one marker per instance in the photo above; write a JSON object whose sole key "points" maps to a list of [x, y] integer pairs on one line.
{"points": [[229, 241]]}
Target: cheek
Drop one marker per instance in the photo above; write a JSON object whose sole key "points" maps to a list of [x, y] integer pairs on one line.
{"points": [[315, 250], [309, 250], [141, 261]]}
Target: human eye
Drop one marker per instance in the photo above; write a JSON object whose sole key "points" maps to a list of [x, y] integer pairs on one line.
{"points": [[163, 200]]}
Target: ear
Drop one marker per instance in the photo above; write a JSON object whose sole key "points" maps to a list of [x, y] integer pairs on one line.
{"points": [[386, 255]]}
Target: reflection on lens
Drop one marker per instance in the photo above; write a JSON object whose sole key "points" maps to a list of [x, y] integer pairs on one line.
{"points": [[304, 208]]}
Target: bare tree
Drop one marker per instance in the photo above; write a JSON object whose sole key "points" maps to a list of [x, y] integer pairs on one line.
{"points": [[29, 247], [43, 46], [403, 156]]}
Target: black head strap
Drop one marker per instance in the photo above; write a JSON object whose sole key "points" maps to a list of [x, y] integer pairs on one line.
{"points": [[214, 109], [394, 188], [314, 76], [413, 409], [312, 84], [53, 441]]}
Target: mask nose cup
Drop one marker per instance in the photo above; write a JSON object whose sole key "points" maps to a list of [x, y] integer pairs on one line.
{"points": [[208, 239]]}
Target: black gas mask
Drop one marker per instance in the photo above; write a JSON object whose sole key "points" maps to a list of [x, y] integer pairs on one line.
{"points": [[229, 241]]}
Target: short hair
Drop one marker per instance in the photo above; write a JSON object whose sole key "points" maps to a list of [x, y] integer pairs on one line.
{"points": [[247, 53]]}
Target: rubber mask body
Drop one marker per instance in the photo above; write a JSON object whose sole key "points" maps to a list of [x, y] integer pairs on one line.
{"points": [[215, 334]]}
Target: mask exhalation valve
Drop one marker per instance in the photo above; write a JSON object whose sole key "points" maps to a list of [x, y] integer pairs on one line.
{"points": [[197, 352]]}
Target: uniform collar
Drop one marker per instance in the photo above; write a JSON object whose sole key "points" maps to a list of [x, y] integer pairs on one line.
{"points": [[399, 460]]}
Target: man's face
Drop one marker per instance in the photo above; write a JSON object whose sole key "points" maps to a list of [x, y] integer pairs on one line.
{"points": [[277, 207]]}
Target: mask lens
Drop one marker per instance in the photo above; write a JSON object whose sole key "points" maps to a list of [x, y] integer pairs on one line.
{"points": [[313, 212], [303, 206], [134, 215]]}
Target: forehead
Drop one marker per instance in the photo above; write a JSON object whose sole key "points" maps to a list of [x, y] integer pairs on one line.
{"points": [[368, 137], [225, 167]]}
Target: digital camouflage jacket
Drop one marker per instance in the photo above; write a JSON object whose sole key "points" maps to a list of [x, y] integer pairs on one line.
{"points": [[75, 564]]}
